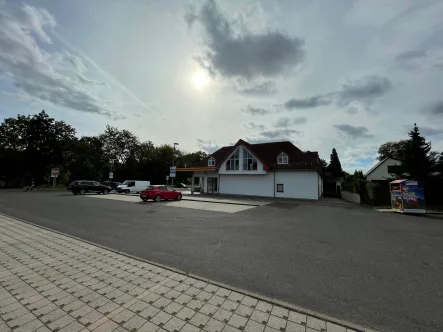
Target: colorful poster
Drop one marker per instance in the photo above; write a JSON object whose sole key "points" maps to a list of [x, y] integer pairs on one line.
{"points": [[396, 201], [413, 197]]}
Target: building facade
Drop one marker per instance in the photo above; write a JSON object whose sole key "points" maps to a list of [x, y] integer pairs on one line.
{"points": [[383, 170], [276, 169]]}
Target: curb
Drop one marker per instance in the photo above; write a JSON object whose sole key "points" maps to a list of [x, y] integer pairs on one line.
{"points": [[343, 323], [218, 202]]}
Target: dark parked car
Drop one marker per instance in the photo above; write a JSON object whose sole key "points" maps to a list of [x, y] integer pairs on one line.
{"points": [[84, 186], [113, 185], [197, 189]]}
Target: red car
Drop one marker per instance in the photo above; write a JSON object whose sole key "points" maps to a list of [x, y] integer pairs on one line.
{"points": [[159, 192]]}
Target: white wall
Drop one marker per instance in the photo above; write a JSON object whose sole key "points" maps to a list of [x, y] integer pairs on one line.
{"points": [[350, 197], [297, 184], [259, 170], [381, 172], [255, 185]]}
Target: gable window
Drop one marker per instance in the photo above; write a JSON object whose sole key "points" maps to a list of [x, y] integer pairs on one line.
{"points": [[211, 161], [282, 158], [249, 162], [233, 163]]}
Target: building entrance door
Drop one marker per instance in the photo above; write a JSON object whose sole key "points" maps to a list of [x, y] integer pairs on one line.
{"points": [[212, 185]]}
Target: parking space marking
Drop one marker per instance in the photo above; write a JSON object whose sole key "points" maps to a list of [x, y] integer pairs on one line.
{"points": [[196, 205]]}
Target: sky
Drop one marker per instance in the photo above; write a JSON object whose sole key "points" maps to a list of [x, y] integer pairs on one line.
{"points": [[344, 74]]}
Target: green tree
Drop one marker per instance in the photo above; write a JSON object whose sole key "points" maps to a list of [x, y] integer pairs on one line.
{"points": [[118, 145], [323, 163], [417, 160], [31, 145], [85, 159], [334, 166], [392, 149]]}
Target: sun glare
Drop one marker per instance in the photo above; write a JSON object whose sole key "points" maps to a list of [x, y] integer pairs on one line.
{"points": [[200, 80]]}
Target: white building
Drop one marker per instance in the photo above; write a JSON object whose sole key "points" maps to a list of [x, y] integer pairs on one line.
{"points": [[382, 171], [277, 169]]}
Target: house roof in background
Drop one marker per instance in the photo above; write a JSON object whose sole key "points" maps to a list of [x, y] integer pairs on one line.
{"points": [[267, 153], [378, 165]]}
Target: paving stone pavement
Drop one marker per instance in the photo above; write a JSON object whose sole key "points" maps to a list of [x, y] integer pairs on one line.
{"points": [[52, 282]]}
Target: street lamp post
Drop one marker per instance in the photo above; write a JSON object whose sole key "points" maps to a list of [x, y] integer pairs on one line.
{"points": [[173, 154]]}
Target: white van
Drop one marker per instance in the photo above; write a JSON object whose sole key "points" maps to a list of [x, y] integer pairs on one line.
{"points": [[132, 186]]}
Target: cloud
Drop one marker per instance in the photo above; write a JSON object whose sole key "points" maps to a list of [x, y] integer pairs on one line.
{"points": [[280, 133], [434, 108], [364, 91], [277, 135], [208, 145], [262, 89], [352, 110], [352, 131], [310, 102], [410, 55], [242, 54], [37, 74], [286, 122], [254, 126], [255, 111], [424, 130]]}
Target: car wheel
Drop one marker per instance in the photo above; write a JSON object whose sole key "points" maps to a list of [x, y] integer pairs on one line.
{"points": [[144, 199], [75, 193], [158, 198], [127, 191], [82, 192], [179, 197], [106, 191]]}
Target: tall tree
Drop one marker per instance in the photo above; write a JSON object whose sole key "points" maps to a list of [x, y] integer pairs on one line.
{"points": [[33, 144], [334, 165], [323, 163], [417, 161], [118, 145], [392, 149]]}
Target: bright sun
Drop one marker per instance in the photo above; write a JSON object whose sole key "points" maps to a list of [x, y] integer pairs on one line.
{"points": [[200, 80]]}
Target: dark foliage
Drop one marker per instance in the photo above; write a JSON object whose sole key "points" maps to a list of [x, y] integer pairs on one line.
{"points": [[30, 146]]}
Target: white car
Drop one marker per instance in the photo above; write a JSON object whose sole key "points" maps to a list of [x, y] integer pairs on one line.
{"points": [[132, 186]]}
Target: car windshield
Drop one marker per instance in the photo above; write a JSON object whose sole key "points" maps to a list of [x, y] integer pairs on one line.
{"points": [[127, 182], [150, 188]]}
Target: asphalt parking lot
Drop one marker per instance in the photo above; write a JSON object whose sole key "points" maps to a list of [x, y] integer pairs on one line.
{"points": [[379, 270]]}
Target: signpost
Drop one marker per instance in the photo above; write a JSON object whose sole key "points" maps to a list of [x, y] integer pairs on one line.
{"points": [[172, 171], [54, 173], [167, 178], [111, 175]]}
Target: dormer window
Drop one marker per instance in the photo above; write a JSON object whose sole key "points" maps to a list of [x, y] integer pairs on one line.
{"points": [[282, 158], [211, 162]]}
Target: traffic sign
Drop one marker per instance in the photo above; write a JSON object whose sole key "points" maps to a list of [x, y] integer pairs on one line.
{"points": [[111, 175], [173, 169], [172, 175], [167, 178], [55, 172]]}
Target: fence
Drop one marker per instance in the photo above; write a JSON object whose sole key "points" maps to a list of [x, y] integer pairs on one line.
{"points": [[350, 197]]}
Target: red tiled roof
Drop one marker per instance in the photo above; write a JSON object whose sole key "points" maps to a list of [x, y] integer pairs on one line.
{"points": [[267, 153]]}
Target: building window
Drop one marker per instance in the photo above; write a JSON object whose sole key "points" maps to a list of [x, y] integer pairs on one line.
{"points": [[280, 187], [282, 158], [211, 161], [249, 162], [233, 164]]}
